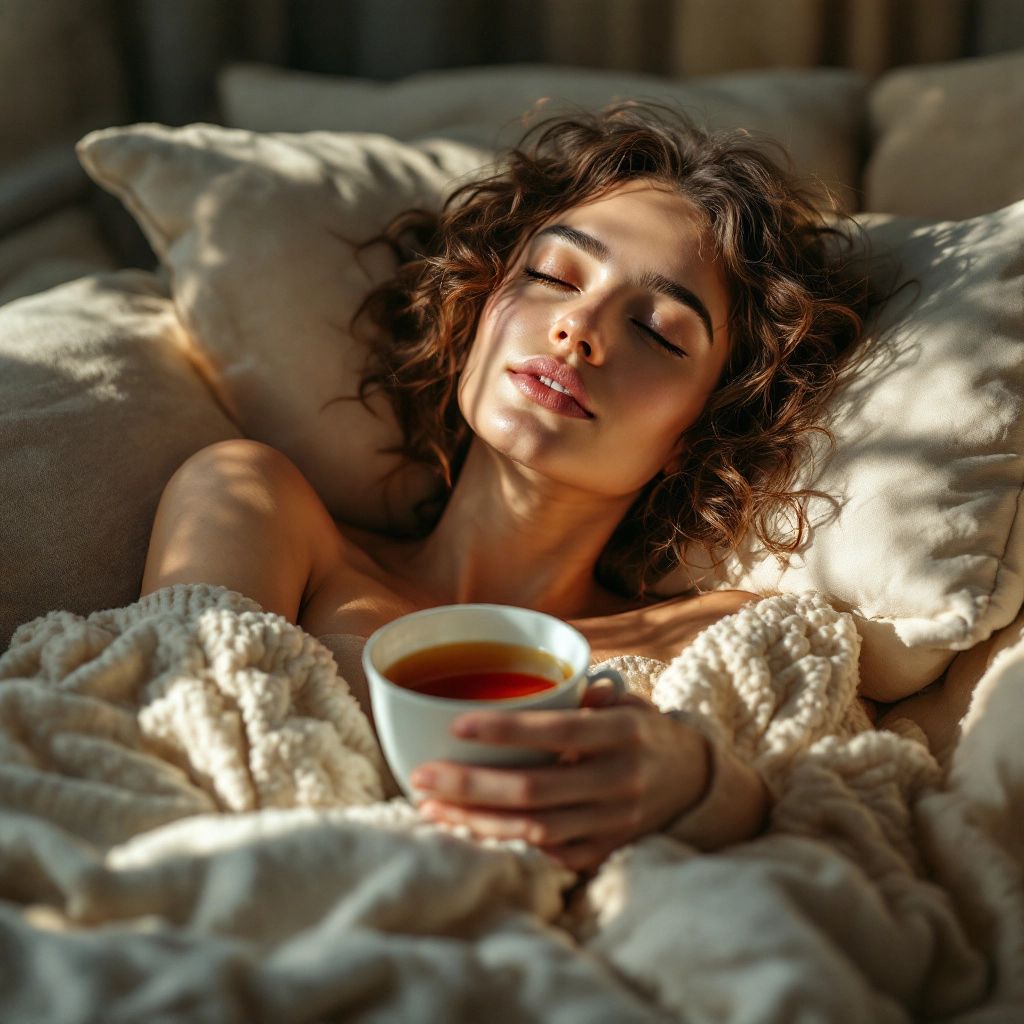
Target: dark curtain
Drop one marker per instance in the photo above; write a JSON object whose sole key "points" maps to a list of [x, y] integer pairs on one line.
{"points": [[174, 49]]}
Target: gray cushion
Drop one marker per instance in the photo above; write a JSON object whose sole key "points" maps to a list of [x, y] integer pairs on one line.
{"points": [[947, 139], [100, 404], [816, 113]]}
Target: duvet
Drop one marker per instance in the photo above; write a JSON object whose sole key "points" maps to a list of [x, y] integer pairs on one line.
{"points": [[193, 827]]}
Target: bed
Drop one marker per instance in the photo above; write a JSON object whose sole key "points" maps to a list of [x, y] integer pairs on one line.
{"points": [[193, 818]]}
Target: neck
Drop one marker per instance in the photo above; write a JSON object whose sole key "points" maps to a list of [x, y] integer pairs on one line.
{"points": [[510, 536]]}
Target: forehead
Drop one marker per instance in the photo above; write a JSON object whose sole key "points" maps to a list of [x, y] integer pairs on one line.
{"points": [[644, 217], [640, 195]]}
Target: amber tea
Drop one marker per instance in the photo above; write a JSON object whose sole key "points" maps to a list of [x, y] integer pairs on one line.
{"points": [[479, 670]]}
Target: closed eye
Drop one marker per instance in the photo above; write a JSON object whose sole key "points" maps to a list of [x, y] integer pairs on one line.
{"points": [[664, 342], [650, 332], [536, 275]]}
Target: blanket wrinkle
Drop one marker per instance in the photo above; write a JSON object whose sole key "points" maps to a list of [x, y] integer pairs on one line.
{"points": [[770, 680], [247, 706], [190, 770]]}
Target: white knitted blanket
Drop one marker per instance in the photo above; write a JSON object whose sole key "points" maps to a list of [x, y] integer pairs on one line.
{"points": [[191, 828]]}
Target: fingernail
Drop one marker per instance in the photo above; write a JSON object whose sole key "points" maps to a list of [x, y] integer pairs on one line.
{"points": [[466, 729], [423, 778]]}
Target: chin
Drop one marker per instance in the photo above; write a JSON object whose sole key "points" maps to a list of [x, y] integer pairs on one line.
{"points": [[516, 440], [533, 454], [521, 437]]}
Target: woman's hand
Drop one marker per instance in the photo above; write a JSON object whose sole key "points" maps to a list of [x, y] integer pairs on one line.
{"points": [[625, 770]]}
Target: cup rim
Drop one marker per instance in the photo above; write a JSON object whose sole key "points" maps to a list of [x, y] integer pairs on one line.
{"points": [[427, 698]]}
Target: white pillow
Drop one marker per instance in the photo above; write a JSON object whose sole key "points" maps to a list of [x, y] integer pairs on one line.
{"points": [[259, 233], [816, 114], [927, 546], [927, 550]]}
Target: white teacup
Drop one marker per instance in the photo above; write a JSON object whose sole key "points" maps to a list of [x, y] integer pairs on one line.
{"points": [[415, 727]]}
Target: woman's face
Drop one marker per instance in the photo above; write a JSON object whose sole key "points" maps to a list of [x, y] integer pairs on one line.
{"points": [[627, 303]]}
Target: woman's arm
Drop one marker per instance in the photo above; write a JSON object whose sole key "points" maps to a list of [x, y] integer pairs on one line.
{"points": [[734, 806], [237, 514]]}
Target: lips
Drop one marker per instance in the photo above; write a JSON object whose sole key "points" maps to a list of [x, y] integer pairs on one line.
{"points": [[528, 373]]}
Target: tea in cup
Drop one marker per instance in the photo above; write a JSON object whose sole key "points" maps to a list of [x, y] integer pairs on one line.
{"points": [[427, 668]]}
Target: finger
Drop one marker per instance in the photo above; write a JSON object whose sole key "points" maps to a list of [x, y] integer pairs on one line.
{"points": [[590, 781], [484, 824], [585, 856], [581, 729], [541, 828]]}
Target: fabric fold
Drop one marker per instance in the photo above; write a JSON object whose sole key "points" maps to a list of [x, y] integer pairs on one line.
{"points": [[191, 769]]}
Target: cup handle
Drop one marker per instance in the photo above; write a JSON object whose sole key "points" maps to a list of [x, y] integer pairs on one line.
{"points": [[607, 673]]}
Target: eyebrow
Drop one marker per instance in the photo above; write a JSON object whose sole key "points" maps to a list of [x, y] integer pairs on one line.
{"points": [[650, 280]]}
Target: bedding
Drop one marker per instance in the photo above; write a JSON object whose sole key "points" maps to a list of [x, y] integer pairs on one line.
{"points": [[192, 826]]}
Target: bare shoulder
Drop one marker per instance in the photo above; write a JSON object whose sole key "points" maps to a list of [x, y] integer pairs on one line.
{"points": [[240, 514], [684, 616], [662, 629], [726, 602]]}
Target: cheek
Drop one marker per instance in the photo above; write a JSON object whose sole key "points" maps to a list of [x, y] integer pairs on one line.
{"points": [[665, 405], [469, 388], [656, 416], [480, 364], [498, 336]]}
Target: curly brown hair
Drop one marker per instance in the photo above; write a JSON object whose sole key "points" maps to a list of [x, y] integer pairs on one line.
{"points": [[796, 315]]}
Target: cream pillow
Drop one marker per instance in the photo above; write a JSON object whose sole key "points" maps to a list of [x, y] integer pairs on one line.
{"points": [[816, 113], [259, 232], [947, 140], [927, 544], [99, 405]]}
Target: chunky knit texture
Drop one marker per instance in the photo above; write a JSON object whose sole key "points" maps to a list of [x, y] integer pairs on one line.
{"points": [[193, 775], [190, 700]]}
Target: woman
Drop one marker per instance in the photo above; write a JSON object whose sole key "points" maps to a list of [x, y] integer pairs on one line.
{"points": [[613, 349]]}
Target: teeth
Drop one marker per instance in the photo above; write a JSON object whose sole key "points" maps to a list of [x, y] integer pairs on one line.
{"points": [[552, 384]]}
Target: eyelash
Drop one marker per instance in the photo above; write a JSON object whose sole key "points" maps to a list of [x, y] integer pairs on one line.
{"points": [[536, 275]]}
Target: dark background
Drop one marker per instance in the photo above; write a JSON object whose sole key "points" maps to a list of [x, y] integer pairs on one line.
{"points": [[70, 66], [387, 39]]}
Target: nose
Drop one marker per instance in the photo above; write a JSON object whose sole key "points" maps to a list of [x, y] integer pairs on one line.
{"points": [[577, 329]]}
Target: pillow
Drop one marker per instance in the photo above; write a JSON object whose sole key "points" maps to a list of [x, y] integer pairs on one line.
{"points": [[259, 232], [98, 406], [927, 544], [816, 113], [947, 140], [926, 552]]}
